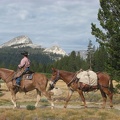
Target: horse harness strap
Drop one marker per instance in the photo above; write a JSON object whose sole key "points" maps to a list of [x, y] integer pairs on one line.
{"points": [[73, 79], [102, 86]]}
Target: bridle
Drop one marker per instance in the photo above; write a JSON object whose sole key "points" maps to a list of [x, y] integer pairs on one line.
{"points": [[57, 77], [53, 82]]}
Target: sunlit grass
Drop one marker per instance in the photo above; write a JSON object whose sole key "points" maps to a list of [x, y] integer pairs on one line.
{"points": [[74, 111], [60, 114]]}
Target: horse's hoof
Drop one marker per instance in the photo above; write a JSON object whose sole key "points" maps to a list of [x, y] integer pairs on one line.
{"points": [[52, 107], [103, 107], [18, 106], [15, 107], [65, 107], [111, 106]]}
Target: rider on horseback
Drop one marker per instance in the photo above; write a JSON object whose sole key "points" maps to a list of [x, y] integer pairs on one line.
{"points": [[23, 67]]}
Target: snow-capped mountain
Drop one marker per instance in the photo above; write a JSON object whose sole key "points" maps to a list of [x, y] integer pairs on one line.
{"points": [[20, 41], [24, 41], [56, 49]]}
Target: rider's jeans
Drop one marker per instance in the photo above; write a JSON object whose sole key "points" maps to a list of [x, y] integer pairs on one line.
{"points": [[19, 78]]}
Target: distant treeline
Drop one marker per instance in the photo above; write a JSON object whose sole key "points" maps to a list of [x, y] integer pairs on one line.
{"points": [[42, 62], [10, 58]]}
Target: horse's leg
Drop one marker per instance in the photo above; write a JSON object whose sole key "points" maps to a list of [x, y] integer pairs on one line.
{"points": [[109, 94], [82, 97], [13, 98], [70, 92], [104, 98], [47, 94], [38, 97]]}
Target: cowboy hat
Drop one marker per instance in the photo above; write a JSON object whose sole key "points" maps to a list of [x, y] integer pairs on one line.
{"points": [[25, 53]]}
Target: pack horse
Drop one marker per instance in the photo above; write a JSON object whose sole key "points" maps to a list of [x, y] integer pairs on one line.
{"points": [[75, 83], [38, 82]]}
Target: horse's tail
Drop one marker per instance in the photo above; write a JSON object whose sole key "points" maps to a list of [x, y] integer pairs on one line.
{"points": [[111, 85]]}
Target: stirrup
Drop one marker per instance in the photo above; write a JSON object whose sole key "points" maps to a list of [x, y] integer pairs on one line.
{"points": [[16, 85]]}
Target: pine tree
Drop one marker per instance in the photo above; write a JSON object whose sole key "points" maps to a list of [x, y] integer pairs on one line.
{"points": [[100, 64], [90, 52], [109, 34]]}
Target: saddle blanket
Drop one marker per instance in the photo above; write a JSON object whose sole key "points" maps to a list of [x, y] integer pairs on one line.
{"points": [[28, 76], [88, 77]]}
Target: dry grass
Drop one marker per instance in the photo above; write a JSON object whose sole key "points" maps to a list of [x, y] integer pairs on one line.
{"points": [[59, 114], [75, 110]]}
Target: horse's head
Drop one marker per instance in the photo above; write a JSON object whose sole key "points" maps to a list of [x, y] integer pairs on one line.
{"points": [[54, 78]]}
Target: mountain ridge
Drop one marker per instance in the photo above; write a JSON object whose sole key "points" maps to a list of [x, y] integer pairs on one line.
{"points": [[20, 41], [56, 50], [25, 41]]}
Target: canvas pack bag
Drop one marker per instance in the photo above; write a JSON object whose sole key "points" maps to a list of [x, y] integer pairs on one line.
{"points": [[88, 77]]}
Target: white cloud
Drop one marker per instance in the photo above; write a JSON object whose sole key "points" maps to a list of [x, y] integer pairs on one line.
{"points": [[23, 14], [47, 22]]}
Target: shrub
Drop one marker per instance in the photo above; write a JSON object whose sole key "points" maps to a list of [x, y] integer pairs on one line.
{"points": [[1, 94], [117, 89], [30, 107]]}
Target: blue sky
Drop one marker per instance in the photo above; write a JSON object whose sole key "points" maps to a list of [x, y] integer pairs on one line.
{"points": [[66, 23]]}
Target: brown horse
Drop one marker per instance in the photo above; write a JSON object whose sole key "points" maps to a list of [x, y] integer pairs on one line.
{"points": [[104, 83], [38, 82]]}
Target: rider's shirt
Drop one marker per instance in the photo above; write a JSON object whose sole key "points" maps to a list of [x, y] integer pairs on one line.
{"points": [[25, 62]]}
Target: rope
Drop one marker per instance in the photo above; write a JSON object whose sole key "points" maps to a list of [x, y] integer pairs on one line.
{"points": [[73, 79]]}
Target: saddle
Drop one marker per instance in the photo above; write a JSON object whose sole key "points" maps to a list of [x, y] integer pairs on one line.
{"points": [[25, 75], [28, 76], [88, 80]]}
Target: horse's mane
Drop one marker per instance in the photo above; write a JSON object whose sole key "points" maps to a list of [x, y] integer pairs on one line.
{"points": [[67, 72]]}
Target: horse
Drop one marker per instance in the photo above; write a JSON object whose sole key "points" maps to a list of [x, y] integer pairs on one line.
{"points": [[104, 85], [39, 82]]}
